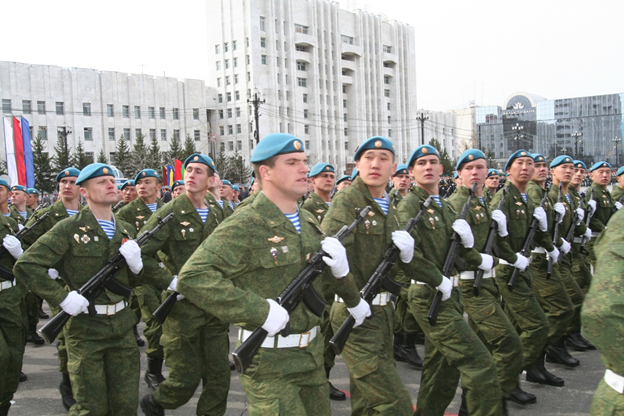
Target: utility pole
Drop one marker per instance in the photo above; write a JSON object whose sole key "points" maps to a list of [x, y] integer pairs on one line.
{"points": [[422, 117], [256, 102], [617, 156], [577, 138]]}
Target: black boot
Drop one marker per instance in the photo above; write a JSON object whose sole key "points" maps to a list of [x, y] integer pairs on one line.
{"points": [[589, 345], [153, 375], [463, 407], [420, 338], [150, 407], [23, 377], [522, 397], [409, 351], [140, 341], [398, 342], [33, 336], [557, 353], [67, 396], [538, 374], [4, 410], [334, 393], [232, 366]]}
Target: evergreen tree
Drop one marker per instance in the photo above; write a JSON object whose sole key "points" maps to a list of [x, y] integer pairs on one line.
{"points": [[3, 167], [80, 159], [238, 172], [222, 163], [445, 159], [102, 157], [155, 157], [140, 154], [175, 151], [490, 157], [44, 176], [62, 157], [189, 147], [123, 159]]}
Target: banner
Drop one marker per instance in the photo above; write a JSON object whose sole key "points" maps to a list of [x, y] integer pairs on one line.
{"points": [[19, 152], [28, 155], [179, 171], [10, 151]]}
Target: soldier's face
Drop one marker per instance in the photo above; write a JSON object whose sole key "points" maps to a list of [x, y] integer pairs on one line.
{"points": [[601, 176], [474, 171], [343, 184], [195, 179], [129, 193], [226, 192], [4, 194], [18, 197], [426, 171], [288, 177], [401, 181], [577, 178], [324, 181], [179, 190], [376, 167], [147, 188], [492, 182], [68, 190], [541, 172], [522, 169], [32, 200], [100, 191], [563, 173]]}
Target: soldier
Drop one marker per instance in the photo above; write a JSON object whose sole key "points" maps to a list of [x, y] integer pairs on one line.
{"points": [[485, 314], [521, 305], [618, 191], [178, 188], [138, 212], [402, 183], [343, 182], [491, 184], [246, 263], [451, 347], [13, 328], [33, 199], [235, 195], [375, 384], [66, 206], [227, 193], [603, 320], [103, 358], [19, 211], [213, 197], [195, 342], [129, 192]]}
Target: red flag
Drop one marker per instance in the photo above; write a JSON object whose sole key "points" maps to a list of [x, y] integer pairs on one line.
{"points": [[19, 152], [178, 171]]}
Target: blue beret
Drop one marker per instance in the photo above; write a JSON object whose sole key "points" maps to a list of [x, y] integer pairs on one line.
{"points": [[33, 191], [253, 179], [67, 172], [176, 184], [5, 183], [492, 172], [320, 168], [456, 175], [94, 170], [560, 160], [375, 143], [518, 154], [236, 188], [226, 182], [129, 182], [343, 178], [538, 158], [401, 170], [580, 164], [19, 188], [468, 156], [276, 144], [420, 151], [199, 158], [599, 165], [146, 173], [354, 173], [619, 171]]}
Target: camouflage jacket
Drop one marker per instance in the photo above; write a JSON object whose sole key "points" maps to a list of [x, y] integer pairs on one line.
{"points": [[57, 213], [213, 203], [18, 217], [564, 227], [617, 193], [316, 206], [7, 226], [604, 207], [137, 213]]}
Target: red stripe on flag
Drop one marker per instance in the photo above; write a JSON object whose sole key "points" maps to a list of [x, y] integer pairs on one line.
{"points": [[178, 171], [19, 152]]}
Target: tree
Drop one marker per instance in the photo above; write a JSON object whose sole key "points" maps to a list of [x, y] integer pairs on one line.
{"points": [[80, 159], [238, 172], [62, 157], [102, 157], [140, 154], [44, 176], [123, 158], [490, 156], [154, 156], [189, 147], [222, 163], [445, 159], [175, 151]]}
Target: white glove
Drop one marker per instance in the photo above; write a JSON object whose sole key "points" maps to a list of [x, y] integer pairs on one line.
{"points": [[360, 312], [554, 254], [521, 263], [20, 227], [618, 205], [591, 205], [277, 318], [565, 247], [132, 253], [540, 215], [560, 209], [173, 284], [404, 242], [446, 287], [501, 220], [337, 260], [53, 274], [487, 262], [13, 246], [588, 234], [580, 214], [462, 228], [74, 304]]}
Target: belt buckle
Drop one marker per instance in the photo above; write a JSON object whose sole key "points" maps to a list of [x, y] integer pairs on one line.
{"points": [[383, 299], [455, 280], [301, 337], [109, 307]]}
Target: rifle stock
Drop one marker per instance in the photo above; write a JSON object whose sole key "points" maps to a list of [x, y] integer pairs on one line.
{"points": [[558, 218], [590, 214]]}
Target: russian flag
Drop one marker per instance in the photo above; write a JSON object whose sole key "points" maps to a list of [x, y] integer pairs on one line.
{"points": [[20, 165], [28, 155], [10, 150], [19, 152]]}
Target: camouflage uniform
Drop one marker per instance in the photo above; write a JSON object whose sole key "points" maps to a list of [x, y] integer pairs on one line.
{"points": [[375, 384], [315, 205], [605, 205], [485, 315], [617, 193], [602, 315], [212, 202], [195, 343], [231, 275], [451, 347], [13, 324], [18, 217], [103, 358], [580, 266]]}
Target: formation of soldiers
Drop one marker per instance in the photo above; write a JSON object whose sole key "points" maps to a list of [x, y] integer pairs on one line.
{"points": [[532, 262]]}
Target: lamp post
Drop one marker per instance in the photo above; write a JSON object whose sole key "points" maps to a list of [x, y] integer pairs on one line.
{"points": [[617, 156], [518, 129], [256, 102], [577, 139]]}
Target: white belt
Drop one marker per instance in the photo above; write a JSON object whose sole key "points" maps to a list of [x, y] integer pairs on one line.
{"points": [[615, 381], [6, 284], [470, 275], [577, 240], [110, 309], [291, 341], [382, 299], [539, 250], [453, 279], [506, 263]]}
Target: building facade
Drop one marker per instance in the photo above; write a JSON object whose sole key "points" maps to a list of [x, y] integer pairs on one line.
{"points": [[328, 76]]}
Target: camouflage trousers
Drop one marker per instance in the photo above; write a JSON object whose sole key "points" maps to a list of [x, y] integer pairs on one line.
{"points": [[288, 381], [452, 350], [196, 347], [404, 321], [488, 320], [12, 340], [606, 401], [375, 386], [552, 296], [574, 292], [329, 356], [524, 312], [60, 346], [103, 364], [580, 268], [149, 299], [32, 308]]}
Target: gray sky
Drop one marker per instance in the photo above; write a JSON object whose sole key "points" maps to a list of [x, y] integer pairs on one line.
{"points": [[479, 51]]}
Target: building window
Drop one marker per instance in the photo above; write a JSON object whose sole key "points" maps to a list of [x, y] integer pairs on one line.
{"points": [[263, 60], [6, 105], [221, 114], [230, 130], [221, 131], [163, 135], [125, 110], [26, 107], [137, 111], [227, 63], [220, 98], [344, 117], [111, 134], [89, 156], [41, 107], [238, 112], [138, 132], [389, 120], [344, 103], [263, 42], [86, 109], [227, 80], [301, 66], [388, 105], [226, 47], [237, 95], [389, 132], [88, 133], [346, 131], [152, 133], [301, 29], [43, 132], [126, 135], [231, 146], [219, 82], [306, 129], [302, 82], [111, 158], [239, 129], [110, 110], [347, 39], [60, 107], [248, 61], [300, 48], [229, 113], [239, 145], [197, 135], [305, 98], [228, 96], [235, 78], [386, 79], [196, 114], [262, 27], [235, 62], [217, 49], [176, 133], [387, 49], [233, 45], [218, 65], [151, 111], [176, 113], [386, 93]]}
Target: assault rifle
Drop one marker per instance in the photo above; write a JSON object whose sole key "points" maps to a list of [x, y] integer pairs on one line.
{"points": [[5, 273], [118, 206], [570, 235], [299, 289], [558, 218], [103, 279], [590, 214], [489, 243], [378, 279], [449, 262]]}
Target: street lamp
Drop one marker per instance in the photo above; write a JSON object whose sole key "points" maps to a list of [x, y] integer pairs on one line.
{"points": [[518, 129], [577, 139], [617, 156]]}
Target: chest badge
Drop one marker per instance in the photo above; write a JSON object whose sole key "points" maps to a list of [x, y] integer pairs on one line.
{"points": [[185, 223], [320, 211], [183, 234], [367, 224], [84, 229], [191, 230], [85, 239], [430, 211], [77, 238], [275, 239], [371, 213], [140, 217], [519, 203], [274, 254]]}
